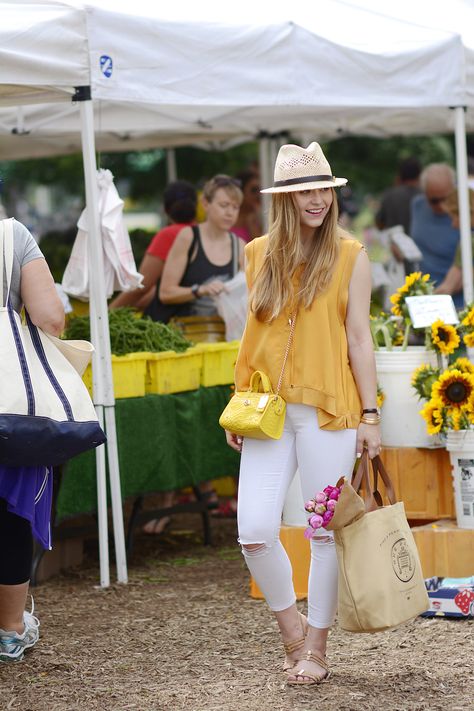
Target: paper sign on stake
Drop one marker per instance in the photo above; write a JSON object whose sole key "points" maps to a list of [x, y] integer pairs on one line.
{"points": [[425, 310]]}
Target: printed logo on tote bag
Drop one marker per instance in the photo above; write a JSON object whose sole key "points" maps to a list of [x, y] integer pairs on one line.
{"points": [[403, 562]]}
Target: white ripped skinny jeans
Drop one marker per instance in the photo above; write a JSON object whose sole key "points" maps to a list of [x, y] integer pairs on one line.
{"points": [[266, 472]]}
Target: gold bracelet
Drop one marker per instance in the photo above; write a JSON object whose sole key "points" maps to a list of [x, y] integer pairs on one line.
{"points": [[371, 420]]}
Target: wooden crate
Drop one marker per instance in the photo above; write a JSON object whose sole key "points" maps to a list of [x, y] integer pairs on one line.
{"points": [[445, 550], [422, 480]]}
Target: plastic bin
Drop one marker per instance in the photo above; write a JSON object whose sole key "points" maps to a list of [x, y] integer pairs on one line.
{"points": [[129, 375], [171, 372], [218, 362]]}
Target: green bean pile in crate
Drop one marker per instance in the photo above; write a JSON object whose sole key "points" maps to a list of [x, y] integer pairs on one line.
{"points": [[130, 333]]}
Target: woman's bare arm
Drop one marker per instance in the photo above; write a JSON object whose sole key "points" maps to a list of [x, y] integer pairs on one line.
{"points": [[40, 297], [170, 290], [361, 350], [151, 268]]}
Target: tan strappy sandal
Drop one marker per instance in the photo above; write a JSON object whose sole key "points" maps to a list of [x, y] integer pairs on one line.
{"points": [[299, 670], [291, 647]]}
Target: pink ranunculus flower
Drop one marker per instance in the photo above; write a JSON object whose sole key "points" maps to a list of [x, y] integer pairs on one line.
{"points": [[327, 517], [320, 498], [327, 490], [309, 506], [316, 521], [331, 505], [320, 509], [334, 494]]}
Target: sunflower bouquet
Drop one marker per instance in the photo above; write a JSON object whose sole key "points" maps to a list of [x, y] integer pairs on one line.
{"points": [[392, 329], [386, 331], [449, 394]]}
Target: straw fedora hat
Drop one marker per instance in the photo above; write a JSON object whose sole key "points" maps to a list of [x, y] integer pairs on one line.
{"points": [[298, 168]]}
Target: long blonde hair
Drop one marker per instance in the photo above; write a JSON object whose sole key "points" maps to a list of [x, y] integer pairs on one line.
{"points": [[273, 289]]}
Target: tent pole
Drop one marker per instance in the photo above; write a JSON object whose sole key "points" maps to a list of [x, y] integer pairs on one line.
{"points": [[171, 169], [265, 175], [102, 507], [116, 495], [463, 201], [102, 360]]}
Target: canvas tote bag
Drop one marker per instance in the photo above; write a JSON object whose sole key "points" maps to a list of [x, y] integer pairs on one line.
{"points": [[380, 578], [46, 413]]}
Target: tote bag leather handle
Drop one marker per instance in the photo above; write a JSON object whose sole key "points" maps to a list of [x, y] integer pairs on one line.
{"points": [[378, 468], [361, 475]]}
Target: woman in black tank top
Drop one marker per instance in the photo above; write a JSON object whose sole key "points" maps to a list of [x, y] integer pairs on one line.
{"points": [[204, 257]]}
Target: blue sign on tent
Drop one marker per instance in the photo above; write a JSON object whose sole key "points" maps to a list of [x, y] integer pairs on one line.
{"points": [[106, 65]]}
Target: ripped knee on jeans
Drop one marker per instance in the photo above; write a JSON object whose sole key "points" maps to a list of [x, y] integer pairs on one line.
{"points": [[251, 549]]}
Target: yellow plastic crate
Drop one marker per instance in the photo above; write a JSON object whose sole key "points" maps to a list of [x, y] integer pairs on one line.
{"points": [[129, 375], [171, 372], [218, 362]]}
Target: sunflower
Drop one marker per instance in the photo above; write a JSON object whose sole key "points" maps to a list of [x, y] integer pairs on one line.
{"points": [[395, 299], [469, 339], [453, 389], [468, 319], [423, 379], [463, 364], [432, 413], [444, 337], [415, 284], [457, 418]]}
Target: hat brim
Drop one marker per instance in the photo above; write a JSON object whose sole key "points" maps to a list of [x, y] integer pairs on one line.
{"points": [[336, 183]]}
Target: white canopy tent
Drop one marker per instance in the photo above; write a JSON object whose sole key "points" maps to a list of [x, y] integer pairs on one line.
{"points": [[155, 81], [74, 76], [342, 69]]}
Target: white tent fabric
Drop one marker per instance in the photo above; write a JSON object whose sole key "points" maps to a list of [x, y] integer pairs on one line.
{"points": [[160, 82], [43, 51]]}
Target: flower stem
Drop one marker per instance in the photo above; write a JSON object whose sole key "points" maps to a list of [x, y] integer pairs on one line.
{"points": [[407, 333]]}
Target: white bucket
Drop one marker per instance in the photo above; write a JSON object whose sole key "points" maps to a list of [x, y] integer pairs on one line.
{"points": [[460, 446], [402, 425]]}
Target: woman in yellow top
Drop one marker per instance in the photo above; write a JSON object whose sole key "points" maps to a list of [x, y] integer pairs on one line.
{"points": [[308, 266]]}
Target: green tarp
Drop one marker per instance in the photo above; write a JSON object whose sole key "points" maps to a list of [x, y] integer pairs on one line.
{"points": [[165, 442]]}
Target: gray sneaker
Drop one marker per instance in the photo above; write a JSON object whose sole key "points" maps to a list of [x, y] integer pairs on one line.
{"points": [[13, 645]]}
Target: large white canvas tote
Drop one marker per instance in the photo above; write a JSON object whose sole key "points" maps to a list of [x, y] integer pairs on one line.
{"points": [[46, 413]]}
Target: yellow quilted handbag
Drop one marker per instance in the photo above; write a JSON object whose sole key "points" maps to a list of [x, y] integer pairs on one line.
{"points": [[257, 412]]}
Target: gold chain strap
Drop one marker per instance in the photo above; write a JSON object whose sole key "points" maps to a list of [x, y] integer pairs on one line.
{"points": [[288, 346]]}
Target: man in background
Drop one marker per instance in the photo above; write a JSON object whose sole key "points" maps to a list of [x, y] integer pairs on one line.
{"points": [[431, 227]]}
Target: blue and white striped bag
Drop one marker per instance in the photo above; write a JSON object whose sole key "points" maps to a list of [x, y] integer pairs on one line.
{"points": [[46, 413]]}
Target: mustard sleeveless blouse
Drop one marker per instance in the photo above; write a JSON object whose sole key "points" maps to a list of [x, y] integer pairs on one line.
{"points": [[317, 371]]}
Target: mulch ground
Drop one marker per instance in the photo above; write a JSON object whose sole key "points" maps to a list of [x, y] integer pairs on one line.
{"points": [[184, 635]]}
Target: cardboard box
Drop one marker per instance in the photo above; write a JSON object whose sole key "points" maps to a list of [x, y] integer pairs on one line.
{"points": [[445, 550]]}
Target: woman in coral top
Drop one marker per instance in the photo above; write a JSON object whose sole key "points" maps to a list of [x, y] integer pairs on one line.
{"points": [[308, 266]]}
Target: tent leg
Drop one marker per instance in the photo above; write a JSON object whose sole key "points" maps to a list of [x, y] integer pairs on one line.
{"points": [[266, 177], [463, 198], [116, 495], [102, 508], [171, 169], [99, 320]]}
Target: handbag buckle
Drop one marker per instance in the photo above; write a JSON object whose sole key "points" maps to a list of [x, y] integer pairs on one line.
{"points": [[246, 402]]}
